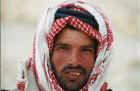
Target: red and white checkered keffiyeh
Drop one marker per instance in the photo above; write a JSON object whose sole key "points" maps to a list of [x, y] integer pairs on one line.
{"points": [[37, 72]]}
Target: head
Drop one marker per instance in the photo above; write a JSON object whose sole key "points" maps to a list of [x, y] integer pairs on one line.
{"points": [[74, 39], [73, 58]]}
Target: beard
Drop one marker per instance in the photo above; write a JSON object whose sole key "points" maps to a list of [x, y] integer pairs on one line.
{"points": [[63, 83], [78, 88]]}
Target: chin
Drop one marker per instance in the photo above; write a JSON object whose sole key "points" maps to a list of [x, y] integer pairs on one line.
{"points": [[72, 89], [72, 85]]}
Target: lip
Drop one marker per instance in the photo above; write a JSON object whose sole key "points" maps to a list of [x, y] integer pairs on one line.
{"points": [[72, 74]]}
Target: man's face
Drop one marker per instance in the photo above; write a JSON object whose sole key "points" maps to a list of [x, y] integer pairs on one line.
{"points": [[73, 59]]}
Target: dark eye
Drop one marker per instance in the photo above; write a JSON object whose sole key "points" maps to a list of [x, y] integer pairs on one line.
{"points": [[61, 48], [88, 50]]}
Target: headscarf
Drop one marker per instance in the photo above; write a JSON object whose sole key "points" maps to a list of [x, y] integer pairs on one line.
{"points": [[37, 71]]}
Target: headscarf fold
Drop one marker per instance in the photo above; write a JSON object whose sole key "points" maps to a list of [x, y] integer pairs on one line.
{"points": [[82, 16]]}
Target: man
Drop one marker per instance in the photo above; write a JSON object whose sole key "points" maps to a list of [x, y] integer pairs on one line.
{"points": [[70, 50]]}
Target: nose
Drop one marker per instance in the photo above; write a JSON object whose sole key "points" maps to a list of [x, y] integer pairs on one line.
{"points": [[74, 58]]}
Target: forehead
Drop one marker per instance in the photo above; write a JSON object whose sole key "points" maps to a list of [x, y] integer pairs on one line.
{"points": [[74, 37]]}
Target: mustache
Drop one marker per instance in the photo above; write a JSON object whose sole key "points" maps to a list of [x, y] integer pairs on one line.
{"points": [[69, 67]]}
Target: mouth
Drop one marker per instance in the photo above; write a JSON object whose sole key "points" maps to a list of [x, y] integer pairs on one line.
{"points": [[73, 75]]}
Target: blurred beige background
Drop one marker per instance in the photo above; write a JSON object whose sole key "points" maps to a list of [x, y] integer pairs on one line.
{"points": [[20, 19]]}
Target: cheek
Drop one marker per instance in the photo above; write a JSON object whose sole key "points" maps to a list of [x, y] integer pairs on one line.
{"points": [[87, 61], [59, 60]]}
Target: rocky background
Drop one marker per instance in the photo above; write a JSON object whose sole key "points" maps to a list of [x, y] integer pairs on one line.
{"points": [[19, 20]]}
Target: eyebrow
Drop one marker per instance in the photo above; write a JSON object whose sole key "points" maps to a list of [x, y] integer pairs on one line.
{"points": [[88, 46], [85, 46], [60, 44]]}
